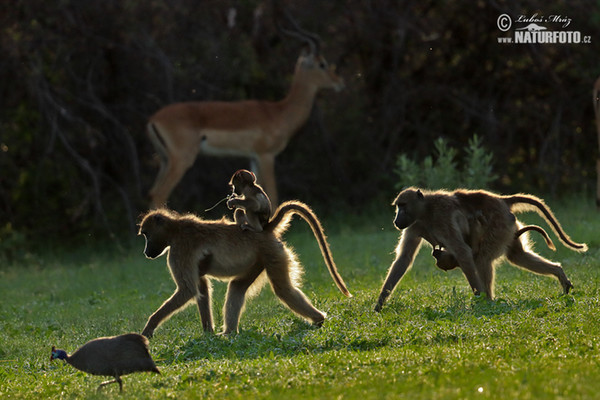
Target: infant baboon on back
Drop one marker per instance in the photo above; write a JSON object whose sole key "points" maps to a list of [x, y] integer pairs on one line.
{"points": [[250, 202]]}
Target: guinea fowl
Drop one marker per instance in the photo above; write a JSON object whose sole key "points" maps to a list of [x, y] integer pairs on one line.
{"points": [[111, 356]]}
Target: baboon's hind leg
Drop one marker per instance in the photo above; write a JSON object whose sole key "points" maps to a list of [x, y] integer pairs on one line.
{"points": [[235, 301], [279, 277], [535, 263]]}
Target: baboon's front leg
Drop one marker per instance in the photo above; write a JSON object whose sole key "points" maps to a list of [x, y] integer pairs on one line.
{"points": [[405, 255], [173, 303], [203, 300], [464, 256]]}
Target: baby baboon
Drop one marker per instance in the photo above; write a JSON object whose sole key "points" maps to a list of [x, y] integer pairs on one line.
{"points": [[441, 218], [199, 250], [472, 234], [251, 203], [446, 261]]}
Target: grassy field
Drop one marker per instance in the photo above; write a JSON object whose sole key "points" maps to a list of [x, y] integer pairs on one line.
{"points": [[433, 340]]}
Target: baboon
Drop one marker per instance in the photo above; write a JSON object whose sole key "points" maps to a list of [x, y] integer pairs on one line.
{"points": [[250, 202], [446, 261], [199, 250], [440, 218]]}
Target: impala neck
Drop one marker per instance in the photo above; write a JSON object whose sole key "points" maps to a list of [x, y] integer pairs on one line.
{"points": [[297, 105]]}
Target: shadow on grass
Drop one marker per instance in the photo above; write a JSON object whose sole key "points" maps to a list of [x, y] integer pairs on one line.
{"points": [[248, 344], [457, 319], [483, 307]]}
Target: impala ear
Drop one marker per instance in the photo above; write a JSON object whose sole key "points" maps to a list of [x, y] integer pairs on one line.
{"points": [[307, 59]]}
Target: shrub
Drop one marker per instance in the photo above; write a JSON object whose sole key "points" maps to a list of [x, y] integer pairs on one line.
{"points": [[475, 171]]}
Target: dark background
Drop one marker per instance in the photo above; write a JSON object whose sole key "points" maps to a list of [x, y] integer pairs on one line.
{"points": [[80, 78]]}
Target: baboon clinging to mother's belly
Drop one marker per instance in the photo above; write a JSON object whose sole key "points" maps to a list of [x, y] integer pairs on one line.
{"points": [[444, 220], [446, 261]]}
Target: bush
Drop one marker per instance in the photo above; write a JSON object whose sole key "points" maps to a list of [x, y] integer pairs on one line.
{"points": [[475, 172]]}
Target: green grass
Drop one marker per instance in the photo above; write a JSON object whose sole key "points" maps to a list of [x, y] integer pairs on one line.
{"points": [[433, 340]]}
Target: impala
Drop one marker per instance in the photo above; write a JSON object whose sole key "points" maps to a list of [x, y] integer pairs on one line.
{"points": [[596, 98], [258, 130]]}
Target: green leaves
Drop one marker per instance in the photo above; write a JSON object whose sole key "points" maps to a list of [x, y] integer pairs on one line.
{"points": [[445, 171]]}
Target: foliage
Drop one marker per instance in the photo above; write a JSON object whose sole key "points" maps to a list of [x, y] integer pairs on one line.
{"points": [[12, 244], [476, 170], [79, 80], [432, 340]]}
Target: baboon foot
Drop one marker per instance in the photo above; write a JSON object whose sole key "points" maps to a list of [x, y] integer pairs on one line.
{"points": [[319, 322], [379, 304], [567, 286], [481, 299], [481, 295]]}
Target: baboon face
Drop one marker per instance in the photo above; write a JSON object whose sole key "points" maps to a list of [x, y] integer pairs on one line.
{"points": [[409, 204], [154, 230], [241, 179]]}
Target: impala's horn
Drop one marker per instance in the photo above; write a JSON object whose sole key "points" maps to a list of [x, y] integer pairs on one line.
{"points": [[312, 40]]}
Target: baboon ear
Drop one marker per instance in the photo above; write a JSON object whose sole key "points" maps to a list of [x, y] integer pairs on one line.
{"points": [[420, 194]]}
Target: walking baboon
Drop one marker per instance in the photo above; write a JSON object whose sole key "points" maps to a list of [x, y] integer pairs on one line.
{"points": [[199, 250], [446, 261], [250, 202], [440, 218]]}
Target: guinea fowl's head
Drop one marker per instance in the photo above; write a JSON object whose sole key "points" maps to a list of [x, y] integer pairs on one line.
{"points": [[57, 353]]}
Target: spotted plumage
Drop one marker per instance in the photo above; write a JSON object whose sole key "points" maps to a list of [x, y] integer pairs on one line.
{"points": [[111, 356]]}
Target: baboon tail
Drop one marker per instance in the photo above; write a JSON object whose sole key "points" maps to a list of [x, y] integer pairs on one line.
{"points": [[526, 202], [280, 222], [537, 229]]}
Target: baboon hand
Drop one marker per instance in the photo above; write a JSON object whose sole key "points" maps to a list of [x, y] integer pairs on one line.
{"points": [[378, 306], [230, 203]]}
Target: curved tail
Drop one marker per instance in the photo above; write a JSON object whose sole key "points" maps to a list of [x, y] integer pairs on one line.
{"points": [[280, 222], [537, 229], [527, 202]]}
